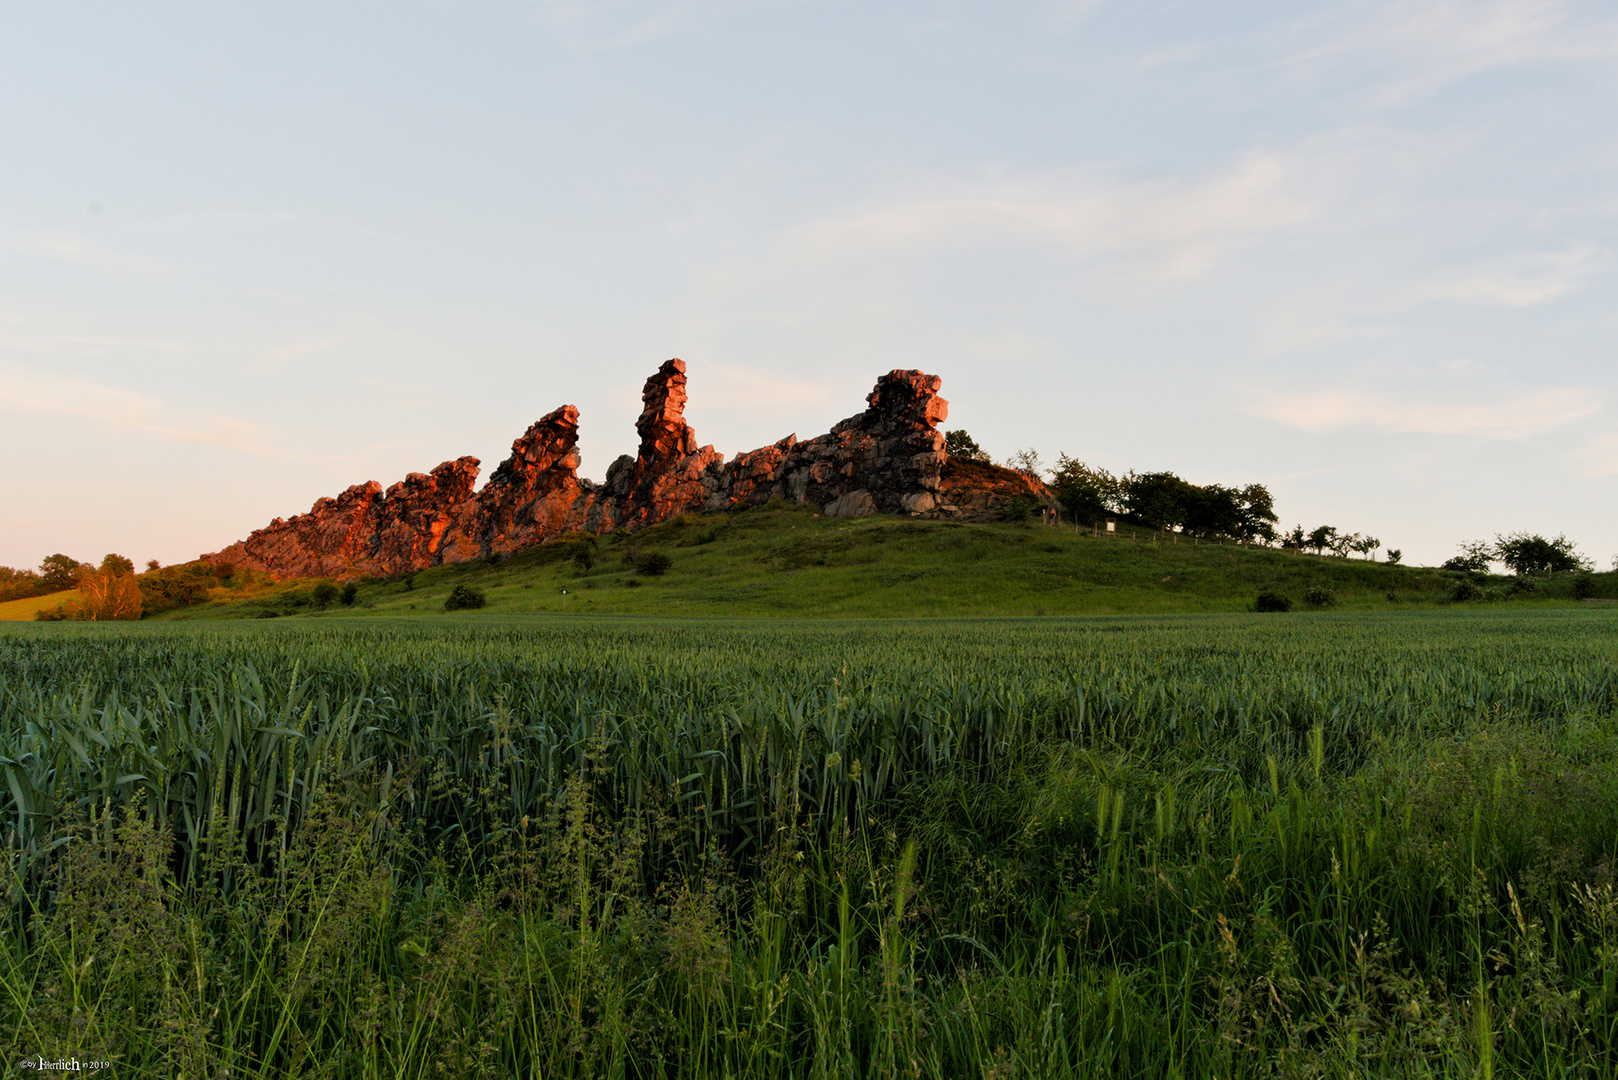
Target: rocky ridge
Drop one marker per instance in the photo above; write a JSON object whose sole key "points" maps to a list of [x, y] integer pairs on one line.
{"points": [[888, 459]]}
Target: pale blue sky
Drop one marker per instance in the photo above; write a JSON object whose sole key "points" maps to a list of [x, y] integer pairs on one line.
{"points": [[1360, 252]]}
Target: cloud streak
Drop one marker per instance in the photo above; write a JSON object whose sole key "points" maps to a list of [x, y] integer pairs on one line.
{"points": [[38, 393], [1511, 417]]}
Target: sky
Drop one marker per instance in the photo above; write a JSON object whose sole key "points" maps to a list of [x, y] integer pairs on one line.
{"points": [[1360, 252]]}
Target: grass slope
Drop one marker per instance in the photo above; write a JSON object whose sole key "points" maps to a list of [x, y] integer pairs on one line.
{"points": [[25, 609], [784, 560]]}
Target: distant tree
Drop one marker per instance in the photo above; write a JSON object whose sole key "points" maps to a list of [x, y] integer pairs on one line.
{"points": [[1321, 538], [1475, 557], [106, 595], [958, 444], [152, 566], [1026, 462], [1394, 556], [1256, 508], [1159, 498], [117, 565], [1295, 540], [1365, 545], [58, 572], [1528, 553], [1086, 495], [325, 593], [1343, 543], [349, 594]]}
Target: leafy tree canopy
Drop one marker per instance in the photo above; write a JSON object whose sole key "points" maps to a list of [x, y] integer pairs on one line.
{"points": [[959, 444], [59, 572], [1527, 553]]}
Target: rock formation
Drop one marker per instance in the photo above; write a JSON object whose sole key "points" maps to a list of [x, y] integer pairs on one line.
{"points": [[888, 459]]}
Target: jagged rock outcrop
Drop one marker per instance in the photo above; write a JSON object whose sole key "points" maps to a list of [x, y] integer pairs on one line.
{"points": [[888, 459]]}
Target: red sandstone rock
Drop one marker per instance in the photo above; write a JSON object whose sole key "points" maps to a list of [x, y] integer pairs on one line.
{"points": [[890, 459]]}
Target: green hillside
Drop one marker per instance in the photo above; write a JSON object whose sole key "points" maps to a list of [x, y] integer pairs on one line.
{"points": [[790, 560]]}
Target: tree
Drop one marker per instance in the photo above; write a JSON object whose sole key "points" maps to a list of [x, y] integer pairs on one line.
{"points": [[106, 595], [1295, 540], [1158, 498], [1474, 557], [1086, 495], [117, 565], [58, 572], [1394, 555], [1026, 462], [152, 565], [325, 593], [958, 444], [1365, 545], [350, 593], [1321, 538], [1533, 554]]}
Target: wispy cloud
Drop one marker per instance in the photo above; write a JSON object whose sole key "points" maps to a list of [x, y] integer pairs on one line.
{"points": [[276, 359], [1172, 228], [1425, 45], [1525, 279], [78, 249], [1507, 417], [23, 390]]}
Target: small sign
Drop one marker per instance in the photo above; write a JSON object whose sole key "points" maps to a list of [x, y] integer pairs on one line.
{"points": [[1112, 526]]}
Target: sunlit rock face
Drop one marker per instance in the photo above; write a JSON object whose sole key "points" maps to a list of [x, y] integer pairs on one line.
{"points": [[888, 459]]}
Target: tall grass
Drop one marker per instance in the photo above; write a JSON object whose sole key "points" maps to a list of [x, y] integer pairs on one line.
{"points": [[1341, 845]]}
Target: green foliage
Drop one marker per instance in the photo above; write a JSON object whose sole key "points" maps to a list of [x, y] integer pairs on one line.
{"points": [[1272, 601], [652, 563], [350, 593], [1215, 511], [325, 592], [958, 444], [1223, 847], [1527, 553], [1395, 556], [1019, 508], [585, 551], [1318, 596], [464, 597], [117, 565], [1086, 495], [58, 572]]}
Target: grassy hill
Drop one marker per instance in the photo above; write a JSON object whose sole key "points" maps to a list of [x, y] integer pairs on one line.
{"points": [[21, 610], [791, 560]]}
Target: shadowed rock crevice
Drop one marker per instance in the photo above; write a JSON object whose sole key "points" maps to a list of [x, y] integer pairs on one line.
{"points": [[888, 459]]}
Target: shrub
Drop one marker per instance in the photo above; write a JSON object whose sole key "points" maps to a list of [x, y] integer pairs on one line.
{"points": [[324, 594], [584, 553], [350, 592], [1465, 589], [653, 564], [1272, 601], [1318, 596], [1019, 508], [464, 598], [1584, 587]]}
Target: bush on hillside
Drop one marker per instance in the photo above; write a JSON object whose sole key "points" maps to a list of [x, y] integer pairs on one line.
{"points": [[324, 594], [464, 598], [1318, 596], [1272, 601], [653, 564]]}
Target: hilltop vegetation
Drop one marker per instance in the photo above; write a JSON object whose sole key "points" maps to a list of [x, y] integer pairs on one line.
{"points": [[782, 559]]}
